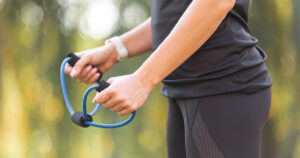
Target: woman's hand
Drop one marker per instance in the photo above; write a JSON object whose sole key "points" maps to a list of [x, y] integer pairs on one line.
{"points": [[125, 94], [103, 58]]}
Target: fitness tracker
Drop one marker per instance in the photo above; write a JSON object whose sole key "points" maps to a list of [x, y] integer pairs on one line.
{"points": [[120, 47]]}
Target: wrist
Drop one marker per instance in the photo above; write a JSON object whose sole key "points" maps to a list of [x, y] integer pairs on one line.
{"points": [[112, 52], [121, 49], [148, 81]]}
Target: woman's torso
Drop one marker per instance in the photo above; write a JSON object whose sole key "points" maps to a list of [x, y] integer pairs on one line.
{"points": [[229, 60]]}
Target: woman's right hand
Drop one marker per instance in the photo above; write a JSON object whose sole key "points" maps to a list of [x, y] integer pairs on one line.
{"points": [[102, 58]]}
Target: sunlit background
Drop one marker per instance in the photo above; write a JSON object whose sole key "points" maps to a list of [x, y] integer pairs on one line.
{"points": [[35, 36]]}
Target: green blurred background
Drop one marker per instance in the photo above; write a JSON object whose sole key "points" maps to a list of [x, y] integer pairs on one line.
{"points": [[36, 35]]}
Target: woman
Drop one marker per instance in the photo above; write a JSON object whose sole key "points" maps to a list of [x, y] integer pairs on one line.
{"points": [[218, 87]]}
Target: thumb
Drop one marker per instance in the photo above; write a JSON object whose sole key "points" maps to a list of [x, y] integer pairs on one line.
{"points": [[81, 63], [111, 80], [68, 69]]}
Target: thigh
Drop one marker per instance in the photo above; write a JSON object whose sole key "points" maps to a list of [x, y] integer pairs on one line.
{"points": [[175, 131], [227, 125], [198, 140]]}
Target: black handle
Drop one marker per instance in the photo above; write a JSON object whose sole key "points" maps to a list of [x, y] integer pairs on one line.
{"points": [[77, 118], [102, 84], [75, 58]]}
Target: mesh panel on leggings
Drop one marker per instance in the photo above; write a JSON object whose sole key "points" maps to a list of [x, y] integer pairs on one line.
{"points": [[204, 142]]}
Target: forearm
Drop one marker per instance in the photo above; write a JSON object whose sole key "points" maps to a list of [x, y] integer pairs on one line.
{"points": [[139, 39], [196, 25]]}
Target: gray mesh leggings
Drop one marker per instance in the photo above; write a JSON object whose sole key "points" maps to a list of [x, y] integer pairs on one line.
{"points": [[227, 125]]}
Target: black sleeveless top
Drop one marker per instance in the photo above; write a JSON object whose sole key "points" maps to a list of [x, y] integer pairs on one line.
{"points": [[228, 61]]}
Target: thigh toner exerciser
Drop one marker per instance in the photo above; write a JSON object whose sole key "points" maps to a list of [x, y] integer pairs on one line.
{"points": [[83, 119]]}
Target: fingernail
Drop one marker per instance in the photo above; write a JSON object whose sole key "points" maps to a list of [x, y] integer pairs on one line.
{"points": [[94, 100], [73, 72]]}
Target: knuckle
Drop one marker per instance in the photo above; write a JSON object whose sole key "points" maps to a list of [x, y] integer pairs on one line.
{"points": [[131, 109], [95, 77], [127, 104], [105, 105], [83, 72], [93, 70], [122, 101], [89, 68], [87, 58], [67, 70], [76, 76], [121, 113], [113, 92], [119, 99], [88, 76], [134, 108], [73, 77], [114, 110], [89, 82], [111, 79]]}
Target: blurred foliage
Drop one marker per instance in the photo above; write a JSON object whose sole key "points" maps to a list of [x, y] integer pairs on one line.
{"points": [[35, 36], [275, 24]]}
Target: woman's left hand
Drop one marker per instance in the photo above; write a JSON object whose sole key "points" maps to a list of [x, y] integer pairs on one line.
{"points": [[125, 94]]}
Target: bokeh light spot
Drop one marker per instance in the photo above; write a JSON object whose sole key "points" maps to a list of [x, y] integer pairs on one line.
{"points": [[1, 4], [42, 141], [99, 20], [134, 14], [32, 14], [150, 140]]}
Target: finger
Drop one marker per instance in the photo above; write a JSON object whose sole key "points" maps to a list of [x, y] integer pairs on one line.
{"points": [[91, 75], [94, 78], [117, 108], [68, 69], [111, 80], [124, 112], [110, 103], [84, 76], [78, 67], [79, 54], [102, 97]]}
